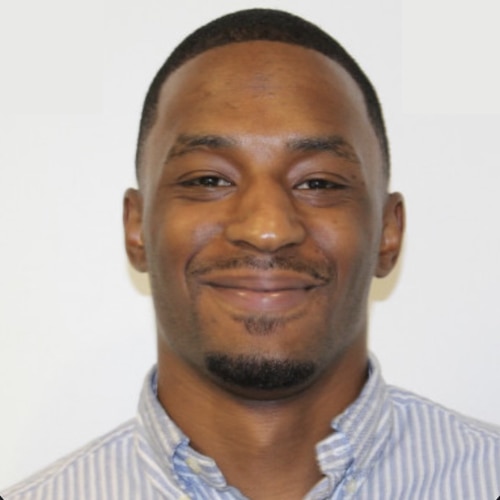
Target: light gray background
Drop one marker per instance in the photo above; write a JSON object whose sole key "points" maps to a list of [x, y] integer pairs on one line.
{"points": [[76, 325]]}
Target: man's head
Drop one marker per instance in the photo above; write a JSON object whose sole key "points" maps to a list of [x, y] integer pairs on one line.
{"points": [[262, 214], [261, 24]]}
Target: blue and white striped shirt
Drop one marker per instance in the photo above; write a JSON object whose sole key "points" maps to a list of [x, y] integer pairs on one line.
{"points": [[389, 445]]}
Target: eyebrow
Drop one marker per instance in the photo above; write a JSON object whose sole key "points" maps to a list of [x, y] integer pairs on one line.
{"points": [[334, 144], [186, 143]]}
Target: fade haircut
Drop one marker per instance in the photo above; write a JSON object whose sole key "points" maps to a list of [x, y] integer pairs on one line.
{"points": [[253, 25]]}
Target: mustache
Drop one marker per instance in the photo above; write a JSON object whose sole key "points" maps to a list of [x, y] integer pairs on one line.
{"points": [[319, 270]]}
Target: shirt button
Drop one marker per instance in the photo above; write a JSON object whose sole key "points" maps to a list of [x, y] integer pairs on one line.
{"points": [[193, 464], [350, 486]]}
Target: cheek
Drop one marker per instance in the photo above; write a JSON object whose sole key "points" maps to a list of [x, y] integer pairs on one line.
{"points": [[174, 239], [175, 236], [350, 245]]}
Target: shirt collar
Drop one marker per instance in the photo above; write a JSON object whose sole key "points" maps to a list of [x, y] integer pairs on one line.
{"points": [[361, 431], [157, 429]]}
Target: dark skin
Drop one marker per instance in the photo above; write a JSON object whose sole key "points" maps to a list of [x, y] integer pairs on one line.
{"points": [[269, 157]]}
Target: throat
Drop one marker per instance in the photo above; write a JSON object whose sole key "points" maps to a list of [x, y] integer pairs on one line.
{"points": [[266, 458]]}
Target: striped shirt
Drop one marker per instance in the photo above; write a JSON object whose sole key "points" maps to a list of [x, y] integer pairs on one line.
{"points": [[389, 444]]}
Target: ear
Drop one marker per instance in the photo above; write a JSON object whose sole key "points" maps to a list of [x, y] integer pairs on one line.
{"points": [[392, 235], [132, 223]]}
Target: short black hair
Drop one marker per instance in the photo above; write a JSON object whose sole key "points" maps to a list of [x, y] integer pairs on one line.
{"points": [[253, 25]]}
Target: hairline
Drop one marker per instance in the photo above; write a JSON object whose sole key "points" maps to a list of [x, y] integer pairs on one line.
{"points": [[167, 70]]}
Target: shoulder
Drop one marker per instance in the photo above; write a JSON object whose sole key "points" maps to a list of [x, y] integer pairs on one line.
{"points": [[413, 408], [444, 442], [430, 452], [71, 472]]}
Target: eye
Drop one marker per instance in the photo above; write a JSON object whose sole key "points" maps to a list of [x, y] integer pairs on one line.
{"points": [[316, 184], [209, 181]]}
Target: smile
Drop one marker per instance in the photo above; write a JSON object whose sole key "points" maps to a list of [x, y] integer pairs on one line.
{"points": [[262, 292]]}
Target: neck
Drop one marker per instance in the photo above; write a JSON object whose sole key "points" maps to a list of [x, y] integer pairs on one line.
{"points": [[264, 448]]}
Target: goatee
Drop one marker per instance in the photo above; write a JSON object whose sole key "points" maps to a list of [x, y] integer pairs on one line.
{"points": [[251, 372]]}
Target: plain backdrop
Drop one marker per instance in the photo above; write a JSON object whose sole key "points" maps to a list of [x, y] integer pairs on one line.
{"points": [[76, 324]]}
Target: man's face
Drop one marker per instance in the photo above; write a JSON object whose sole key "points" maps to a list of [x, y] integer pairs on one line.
{"points": [[262, 215]]}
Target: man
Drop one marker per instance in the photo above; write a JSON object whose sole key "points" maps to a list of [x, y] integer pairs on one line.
{"points": [[262, 215]]}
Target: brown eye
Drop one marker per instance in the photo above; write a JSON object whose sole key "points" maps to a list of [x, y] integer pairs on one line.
{"points": [[316, 184]]}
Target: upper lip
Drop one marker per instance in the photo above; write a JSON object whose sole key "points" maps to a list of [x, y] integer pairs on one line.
{"points": [[262, 281]]}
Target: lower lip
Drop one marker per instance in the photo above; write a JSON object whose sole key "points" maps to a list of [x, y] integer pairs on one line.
{"points": [[259, 301]]}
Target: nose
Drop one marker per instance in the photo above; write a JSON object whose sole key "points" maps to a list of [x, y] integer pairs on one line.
{"points": [[265, 218]]}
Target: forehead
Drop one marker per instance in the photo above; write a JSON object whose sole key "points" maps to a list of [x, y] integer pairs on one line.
{"points": [[261, 89]]}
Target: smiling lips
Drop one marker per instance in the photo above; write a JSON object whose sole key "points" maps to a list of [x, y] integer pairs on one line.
{"points": [[259, 292]]}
